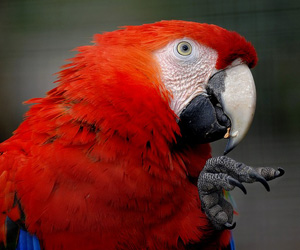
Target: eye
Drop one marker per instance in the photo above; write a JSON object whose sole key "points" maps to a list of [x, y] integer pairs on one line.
{"points": [[184, 48]]}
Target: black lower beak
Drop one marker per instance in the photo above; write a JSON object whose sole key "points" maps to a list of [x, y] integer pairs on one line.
{"points": [[203, 121]]}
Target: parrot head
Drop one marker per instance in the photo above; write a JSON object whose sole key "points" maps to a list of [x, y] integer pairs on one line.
{"points": [[191, 80], [207, 71]]}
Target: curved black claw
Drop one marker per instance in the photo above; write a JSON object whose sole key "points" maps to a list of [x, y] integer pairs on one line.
{"points": [[260, 179], [279, 172], [223, 173], [236, 183], [230, 226]]}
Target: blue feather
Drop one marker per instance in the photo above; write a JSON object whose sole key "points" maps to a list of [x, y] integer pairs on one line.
{"points": [[232, 245], [27, 241]]}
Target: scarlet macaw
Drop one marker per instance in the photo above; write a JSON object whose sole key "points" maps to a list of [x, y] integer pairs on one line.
{"points": [[111, 157]]}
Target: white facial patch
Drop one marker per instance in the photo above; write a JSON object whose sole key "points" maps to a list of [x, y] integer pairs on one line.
{"points": [[185, 76]]}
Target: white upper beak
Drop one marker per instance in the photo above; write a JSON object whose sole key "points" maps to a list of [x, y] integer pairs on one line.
{"points": [[238, 101]]}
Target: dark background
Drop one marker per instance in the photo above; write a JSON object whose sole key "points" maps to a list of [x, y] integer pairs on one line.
{"points": [[37, 36]]}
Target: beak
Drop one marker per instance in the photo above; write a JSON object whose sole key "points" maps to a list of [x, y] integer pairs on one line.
{"points": [[234, 89], [225, 111]]}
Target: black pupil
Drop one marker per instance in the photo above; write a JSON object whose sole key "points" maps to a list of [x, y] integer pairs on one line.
{"points": [[185, 47]]}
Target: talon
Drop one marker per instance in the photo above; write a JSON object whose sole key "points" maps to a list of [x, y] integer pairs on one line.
{"points": [[264, 182], [236, 183], [230, 226], [279, 172], [260, 179]]}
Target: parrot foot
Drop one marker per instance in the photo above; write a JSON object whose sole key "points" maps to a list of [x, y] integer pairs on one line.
{"points": [[221, 173]]}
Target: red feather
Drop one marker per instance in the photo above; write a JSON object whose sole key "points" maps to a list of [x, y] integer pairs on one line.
{"points": [[93, 165]]}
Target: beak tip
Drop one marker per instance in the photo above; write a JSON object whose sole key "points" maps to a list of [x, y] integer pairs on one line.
{"points": [[226, 151], [230, 146]]}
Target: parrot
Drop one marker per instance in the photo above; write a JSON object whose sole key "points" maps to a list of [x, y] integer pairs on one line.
{"points": [[117, 155]]}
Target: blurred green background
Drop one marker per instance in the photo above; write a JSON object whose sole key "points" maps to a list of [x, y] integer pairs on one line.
{"points": [[37, 36]]}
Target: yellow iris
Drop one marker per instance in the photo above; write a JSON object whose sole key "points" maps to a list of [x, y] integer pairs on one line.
{"points": [[184, 48]]}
